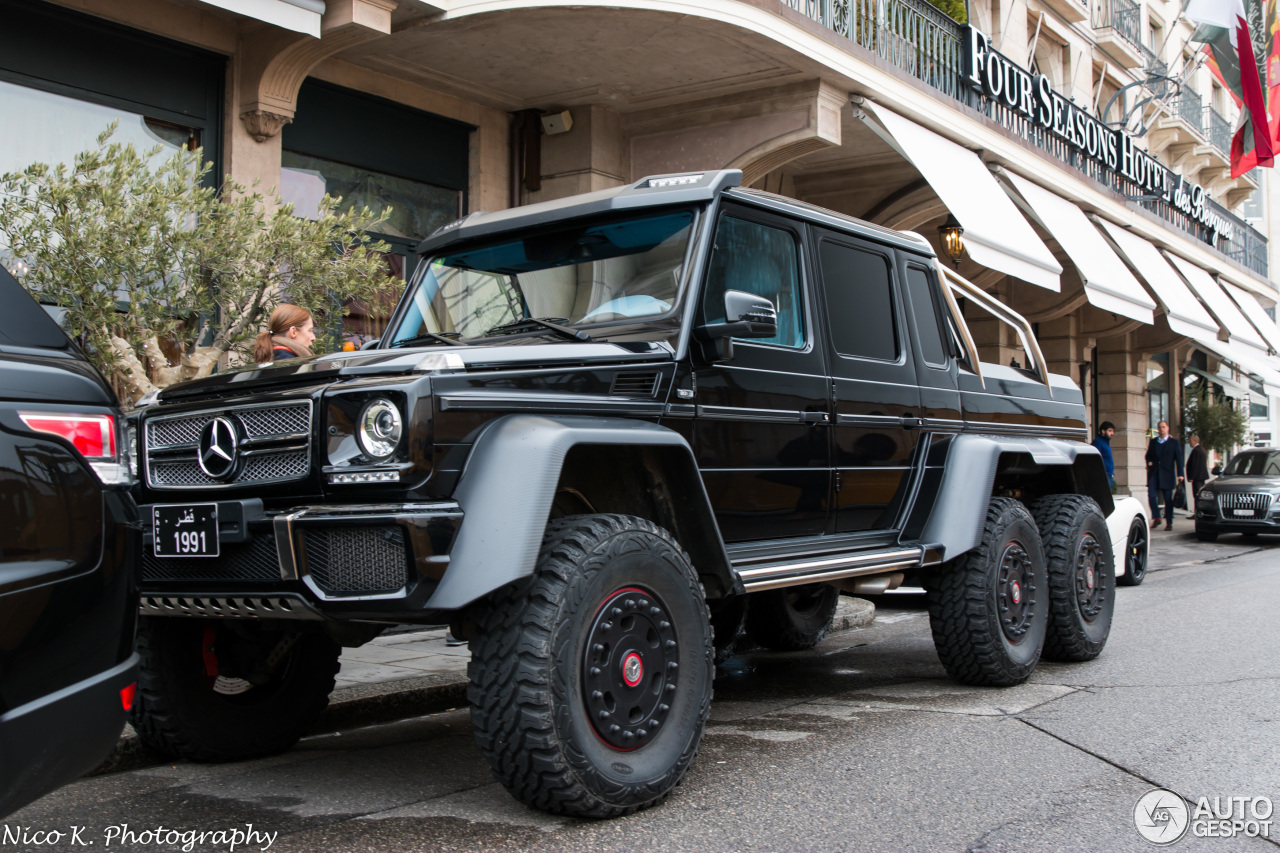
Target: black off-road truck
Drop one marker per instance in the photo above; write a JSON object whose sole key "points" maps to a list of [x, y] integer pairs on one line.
{"points": [[598, 435]]}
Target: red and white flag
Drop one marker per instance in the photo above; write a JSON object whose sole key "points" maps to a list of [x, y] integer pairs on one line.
{"points": [[1237, 34]]}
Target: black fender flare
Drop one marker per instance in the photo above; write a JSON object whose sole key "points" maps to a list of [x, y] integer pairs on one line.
{"points": [[956, 521], [508, 485]]}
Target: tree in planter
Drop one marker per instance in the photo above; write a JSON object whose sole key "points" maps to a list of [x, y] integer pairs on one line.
{"points": [[139, 250], [1219, 423]]}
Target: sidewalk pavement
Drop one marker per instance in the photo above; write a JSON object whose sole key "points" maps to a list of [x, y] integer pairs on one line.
{"points": [[412, 674]]}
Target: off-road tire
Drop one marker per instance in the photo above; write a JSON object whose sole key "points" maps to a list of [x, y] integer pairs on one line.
{"points": [[1137, 553], [531, 662], [1081, 568], [964, 602], [794, 618], [177, 712], [1205, 535]]}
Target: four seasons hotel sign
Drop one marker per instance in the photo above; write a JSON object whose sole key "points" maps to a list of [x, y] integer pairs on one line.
{"points": [[1031, 96]]}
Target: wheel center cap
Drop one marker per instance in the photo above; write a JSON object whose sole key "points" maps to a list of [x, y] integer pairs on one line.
{"points": [[632, 669], [1088, 577], [1017, 593]]}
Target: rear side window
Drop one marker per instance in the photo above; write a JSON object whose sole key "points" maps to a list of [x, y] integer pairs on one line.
{"points": [[763, 261], [859, 294], [926, 313], [22, 321]]}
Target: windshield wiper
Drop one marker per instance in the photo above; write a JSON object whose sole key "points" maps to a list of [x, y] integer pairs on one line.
{"points": [[576, 334], [431, 336]]}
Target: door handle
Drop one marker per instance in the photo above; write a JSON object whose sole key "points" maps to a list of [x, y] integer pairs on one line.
{"points": [[814, 417], [912, 422]]}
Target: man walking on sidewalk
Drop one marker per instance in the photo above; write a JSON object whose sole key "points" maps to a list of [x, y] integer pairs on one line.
{"points": [[1106, 430], [1164, 473], [1197, 469]]}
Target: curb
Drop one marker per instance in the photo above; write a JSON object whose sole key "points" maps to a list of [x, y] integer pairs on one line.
{"points": [[389, 701]]}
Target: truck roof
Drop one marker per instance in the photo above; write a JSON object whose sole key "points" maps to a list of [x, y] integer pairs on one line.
{"points": [[653, 191]]}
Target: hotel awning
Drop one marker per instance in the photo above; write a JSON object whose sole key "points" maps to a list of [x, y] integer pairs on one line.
{"points": [[301, 16], [1108, 284], [1256, 314], [1184, 312], [1234, 389], [1246, 359], [996, 235], [1219, 304]]}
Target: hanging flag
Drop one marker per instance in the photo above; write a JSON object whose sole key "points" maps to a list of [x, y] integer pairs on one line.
{"points": [[1240, 41]]}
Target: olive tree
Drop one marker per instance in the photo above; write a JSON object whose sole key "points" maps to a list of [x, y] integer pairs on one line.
{"points": [[1220, 424], [163, 276]]}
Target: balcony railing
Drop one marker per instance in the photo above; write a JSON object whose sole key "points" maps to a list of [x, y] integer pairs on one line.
{"points": [[1187, 106], [1152, 64], [1123, 16], [1217, 129], [927, 44], [911, 34]]}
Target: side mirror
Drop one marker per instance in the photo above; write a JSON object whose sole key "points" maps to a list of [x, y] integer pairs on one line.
{"points": [[746, 316], [371, 344], [1217, 471]]}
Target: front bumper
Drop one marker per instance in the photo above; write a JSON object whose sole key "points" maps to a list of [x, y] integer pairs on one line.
{"points": [[376, 562], [1211, 516]]}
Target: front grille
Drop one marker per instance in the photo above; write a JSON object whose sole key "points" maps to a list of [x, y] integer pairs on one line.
{"points": [[1259, 502], [253, 561], [171, 445], [357, 560]]}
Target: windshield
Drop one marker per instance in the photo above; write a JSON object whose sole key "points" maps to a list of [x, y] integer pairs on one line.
{"points": [[1255, 463], [581, 274]]}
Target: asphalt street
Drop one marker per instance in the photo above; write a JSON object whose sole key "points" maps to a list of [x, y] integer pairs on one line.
{"points": [[862, 744]]}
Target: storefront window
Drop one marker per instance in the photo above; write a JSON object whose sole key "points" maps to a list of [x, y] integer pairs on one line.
{"points": [[1158, 390], [417, 209], [41, 127], [1258, 405]]}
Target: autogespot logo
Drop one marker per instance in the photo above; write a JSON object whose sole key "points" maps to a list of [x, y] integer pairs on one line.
{"points": [[1161, 816]]}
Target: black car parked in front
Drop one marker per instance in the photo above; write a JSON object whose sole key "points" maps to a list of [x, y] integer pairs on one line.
{"points": [[68, 537], [1244, 499]]}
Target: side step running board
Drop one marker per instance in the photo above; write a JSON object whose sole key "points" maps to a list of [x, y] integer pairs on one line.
{"points": [[792, 573]]}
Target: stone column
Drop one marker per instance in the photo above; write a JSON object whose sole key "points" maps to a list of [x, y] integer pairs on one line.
{"points": [[1122, 400], [589, 156]]}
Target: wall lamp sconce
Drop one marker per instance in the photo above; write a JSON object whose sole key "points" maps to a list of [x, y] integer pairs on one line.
{"points": [[952, 241]]}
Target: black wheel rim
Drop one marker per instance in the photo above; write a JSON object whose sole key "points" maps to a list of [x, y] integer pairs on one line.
{"points": [[629, 668], [1091, 578], [1136, 558], [1015, 592]]}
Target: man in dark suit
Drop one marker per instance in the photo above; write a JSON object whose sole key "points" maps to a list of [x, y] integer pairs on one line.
{"points": [[1197, 468], [1164, 473]]}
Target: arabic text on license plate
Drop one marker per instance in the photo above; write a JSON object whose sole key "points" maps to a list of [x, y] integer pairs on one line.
{"points": [[186, 530]]}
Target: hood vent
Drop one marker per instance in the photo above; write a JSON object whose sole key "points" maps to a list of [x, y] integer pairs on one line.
{"points": [[635, 384]]}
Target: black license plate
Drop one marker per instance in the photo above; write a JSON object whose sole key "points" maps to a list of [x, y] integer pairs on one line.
{"points": [[185, 530]]}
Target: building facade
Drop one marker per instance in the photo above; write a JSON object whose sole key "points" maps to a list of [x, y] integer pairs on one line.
{"points": [[1082, 147]]}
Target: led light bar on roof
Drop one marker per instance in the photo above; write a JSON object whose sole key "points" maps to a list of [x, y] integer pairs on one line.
{"points": [[674, 181]]}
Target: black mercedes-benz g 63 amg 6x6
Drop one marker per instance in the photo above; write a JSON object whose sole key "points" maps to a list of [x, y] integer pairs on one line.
{"points": [[598, 434]]}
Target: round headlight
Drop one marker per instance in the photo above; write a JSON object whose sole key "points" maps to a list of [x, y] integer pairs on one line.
{"points": [[379, 429]]}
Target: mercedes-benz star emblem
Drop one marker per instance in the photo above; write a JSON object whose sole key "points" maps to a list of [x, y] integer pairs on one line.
{"points": [[218, 449]]}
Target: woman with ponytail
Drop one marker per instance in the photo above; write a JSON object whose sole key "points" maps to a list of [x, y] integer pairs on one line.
{"points": [[289, 335]]}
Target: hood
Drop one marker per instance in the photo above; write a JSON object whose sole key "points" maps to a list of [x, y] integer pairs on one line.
{"points": [[1245, 483], [307, 371]]}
